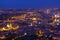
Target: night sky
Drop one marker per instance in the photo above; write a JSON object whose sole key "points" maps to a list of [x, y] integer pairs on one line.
{"points": [[29, 3]]}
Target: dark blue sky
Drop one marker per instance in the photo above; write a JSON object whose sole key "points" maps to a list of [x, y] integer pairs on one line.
{"points": [[29, 3]]}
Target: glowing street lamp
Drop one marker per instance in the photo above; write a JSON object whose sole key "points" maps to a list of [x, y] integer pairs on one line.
{"points": [[25, 33]]}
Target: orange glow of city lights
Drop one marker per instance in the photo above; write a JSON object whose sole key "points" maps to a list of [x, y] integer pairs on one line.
{"points": [[34, 19], [2, 37], [3, 28], [40, 33], [9, 27]]}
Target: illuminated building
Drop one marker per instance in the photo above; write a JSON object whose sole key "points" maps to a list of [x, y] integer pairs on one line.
{"points": [[40, 33], [9, 27], [47, 11]]}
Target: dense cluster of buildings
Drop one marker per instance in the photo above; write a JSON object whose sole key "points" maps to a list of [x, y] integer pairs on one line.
{"points": [[26, 23]]}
